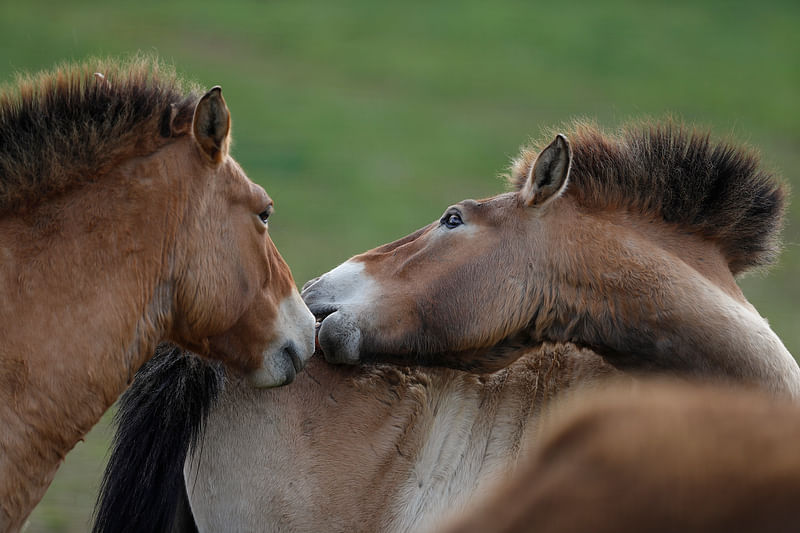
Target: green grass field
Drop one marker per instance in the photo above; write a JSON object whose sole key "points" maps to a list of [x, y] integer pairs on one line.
{"points": [[364, 120]]}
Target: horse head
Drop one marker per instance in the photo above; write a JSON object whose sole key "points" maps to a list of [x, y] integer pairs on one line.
{"points": [[235, 296], [455, 292]]}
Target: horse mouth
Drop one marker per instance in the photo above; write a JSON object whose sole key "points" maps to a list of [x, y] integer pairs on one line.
{"points": [[320, 318], [317, 346]]}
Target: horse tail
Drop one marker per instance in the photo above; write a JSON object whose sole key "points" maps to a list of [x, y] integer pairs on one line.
{"points": [[159, 419]]}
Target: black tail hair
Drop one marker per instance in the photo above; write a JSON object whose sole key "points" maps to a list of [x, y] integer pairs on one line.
{"points": [[159, 418]]}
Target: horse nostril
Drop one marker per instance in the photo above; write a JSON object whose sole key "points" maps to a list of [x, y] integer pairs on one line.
{"points": [[290, 350]]}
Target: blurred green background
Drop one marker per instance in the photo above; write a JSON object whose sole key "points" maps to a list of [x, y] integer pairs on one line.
{"points": [[365, 119]]}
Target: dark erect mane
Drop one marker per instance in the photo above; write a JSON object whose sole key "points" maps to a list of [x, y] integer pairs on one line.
{"points": [[675, 174], [66, 127]]}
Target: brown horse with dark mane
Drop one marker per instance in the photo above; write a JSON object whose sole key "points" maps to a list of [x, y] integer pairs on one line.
{"points": [[628, 246], [614, 255], [123, 222]]}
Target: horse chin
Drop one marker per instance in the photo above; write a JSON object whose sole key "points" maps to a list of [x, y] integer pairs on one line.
{"points": [[279, 367], [339, 339], [275, 373]]}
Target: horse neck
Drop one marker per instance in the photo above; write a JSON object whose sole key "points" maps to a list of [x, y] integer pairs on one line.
{"points": [[87, 299], [668, 304], [409, 443]]}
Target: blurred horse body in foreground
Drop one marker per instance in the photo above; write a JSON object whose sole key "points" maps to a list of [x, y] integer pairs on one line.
{"points": [[658, 457]]}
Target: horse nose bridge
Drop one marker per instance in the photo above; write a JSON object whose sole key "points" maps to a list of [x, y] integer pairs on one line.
{"points": [[308, 284], [338, 286], [296, 355]]}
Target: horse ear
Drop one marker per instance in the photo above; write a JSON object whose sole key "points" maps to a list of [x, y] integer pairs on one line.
{"points": [[175, 123], [548, 176], [212, 124]]}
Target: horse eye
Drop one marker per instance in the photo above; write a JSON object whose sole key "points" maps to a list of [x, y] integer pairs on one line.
{"points": [[264, 215], [452, 220]]}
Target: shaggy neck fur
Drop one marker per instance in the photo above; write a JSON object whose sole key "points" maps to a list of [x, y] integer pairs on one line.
{"points": [[102, 258], [375, 448]]}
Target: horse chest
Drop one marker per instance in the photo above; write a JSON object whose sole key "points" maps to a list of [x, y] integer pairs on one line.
{"points": [[468, 444]]}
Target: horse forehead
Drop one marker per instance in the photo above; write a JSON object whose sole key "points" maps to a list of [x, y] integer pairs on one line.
{"points": [[233, 179], [234, 172], [501, 205], [498, 201]]}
